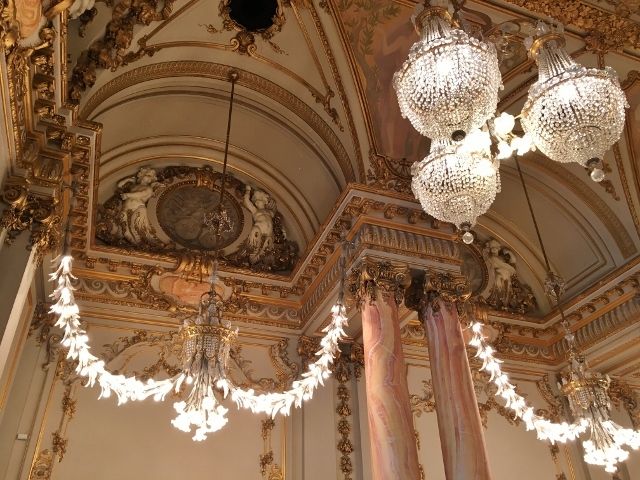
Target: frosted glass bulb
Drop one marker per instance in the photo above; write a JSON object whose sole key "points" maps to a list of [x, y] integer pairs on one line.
{"points": [[467, 238], [597, 175]]}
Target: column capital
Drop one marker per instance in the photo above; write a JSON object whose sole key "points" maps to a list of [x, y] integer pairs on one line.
{"points": [[371, 277], [29, 209], [431, 285]]}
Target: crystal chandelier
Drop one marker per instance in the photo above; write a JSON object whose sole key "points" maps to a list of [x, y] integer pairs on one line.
{"points": [[205, 340], [456, 185], [448, 89], [449, 84], [573, 113], [588, 395], [206, 344], [586, 391]]}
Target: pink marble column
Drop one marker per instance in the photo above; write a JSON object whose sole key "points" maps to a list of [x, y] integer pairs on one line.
{"points": [[461, 433], [394, 455]]}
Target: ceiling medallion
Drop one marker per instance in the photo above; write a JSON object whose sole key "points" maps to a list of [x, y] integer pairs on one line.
{"points": [[188, 214], [264, 18], [162, 211]]}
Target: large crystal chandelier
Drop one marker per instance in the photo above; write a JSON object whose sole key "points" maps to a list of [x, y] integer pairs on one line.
{"points": [[448, 89], [456, 185], [573, 113], [449, 84], [205, 341]]}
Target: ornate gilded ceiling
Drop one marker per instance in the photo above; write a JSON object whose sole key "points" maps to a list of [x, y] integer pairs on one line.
{"points": [[132, 98]]}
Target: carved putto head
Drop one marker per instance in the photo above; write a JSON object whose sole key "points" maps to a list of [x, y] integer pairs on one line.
{"points": [[263, 200], [146, 176]]}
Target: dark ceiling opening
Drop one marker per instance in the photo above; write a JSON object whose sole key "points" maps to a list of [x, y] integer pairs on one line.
{"points": [[254, 15]]}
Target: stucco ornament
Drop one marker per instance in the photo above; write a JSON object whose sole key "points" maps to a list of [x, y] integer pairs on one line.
{"points": [[506, 292], [78, 7], [134, 218], [164, 211], [263, 210]]}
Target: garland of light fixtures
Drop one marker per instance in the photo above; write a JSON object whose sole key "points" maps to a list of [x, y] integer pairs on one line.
{"points": [[211, 416]]}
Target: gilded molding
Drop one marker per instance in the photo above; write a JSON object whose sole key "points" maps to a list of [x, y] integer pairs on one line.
{"points": [[605, 31], [623, 395], [389, 174], [425, 402], [110, 51], [269, 469], [343, 372], [40, 214], [372, 277]]}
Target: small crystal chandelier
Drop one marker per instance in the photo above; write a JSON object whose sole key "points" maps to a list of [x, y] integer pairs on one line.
{"points": [[573, 113], [588, 395], [449, 84], [206, 344], [586, 391], [456, 185]]}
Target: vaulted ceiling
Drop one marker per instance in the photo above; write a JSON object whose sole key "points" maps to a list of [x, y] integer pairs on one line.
{"points": [[316, 127]]}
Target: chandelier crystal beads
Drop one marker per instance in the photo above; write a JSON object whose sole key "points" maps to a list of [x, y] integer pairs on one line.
{"points": [[573, 113], [450, 81], [454, 185], [206, 345], [588, 395]]}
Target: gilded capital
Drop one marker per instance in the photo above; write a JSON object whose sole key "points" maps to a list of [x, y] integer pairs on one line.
{"points": [[32, 211], [432, 285], [371, 277]]}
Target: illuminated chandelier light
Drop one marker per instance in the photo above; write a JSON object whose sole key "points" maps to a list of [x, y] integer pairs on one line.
{"points": [[449, 83], [457, 182], [205, 356], [573, 113], [588, 395], [545, 429], [585, 390]]}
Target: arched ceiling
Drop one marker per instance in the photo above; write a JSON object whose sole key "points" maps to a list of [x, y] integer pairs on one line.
{"points": [[315, 113]]}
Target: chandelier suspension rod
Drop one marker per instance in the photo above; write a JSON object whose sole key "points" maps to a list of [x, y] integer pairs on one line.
{"points": [[556, 287], [233, 77]]}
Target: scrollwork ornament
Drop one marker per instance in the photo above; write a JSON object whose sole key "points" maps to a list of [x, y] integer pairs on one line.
{"points": [[28, 211], [371, 278], [426, 290]]}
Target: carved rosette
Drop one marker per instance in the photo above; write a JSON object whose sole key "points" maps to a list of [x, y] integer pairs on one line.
{"points": [[371, 278]]}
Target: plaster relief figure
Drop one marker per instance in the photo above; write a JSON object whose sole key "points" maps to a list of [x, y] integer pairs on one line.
{"points": [[263, 210], [503, 265], [506, 292], [134, 219]]}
